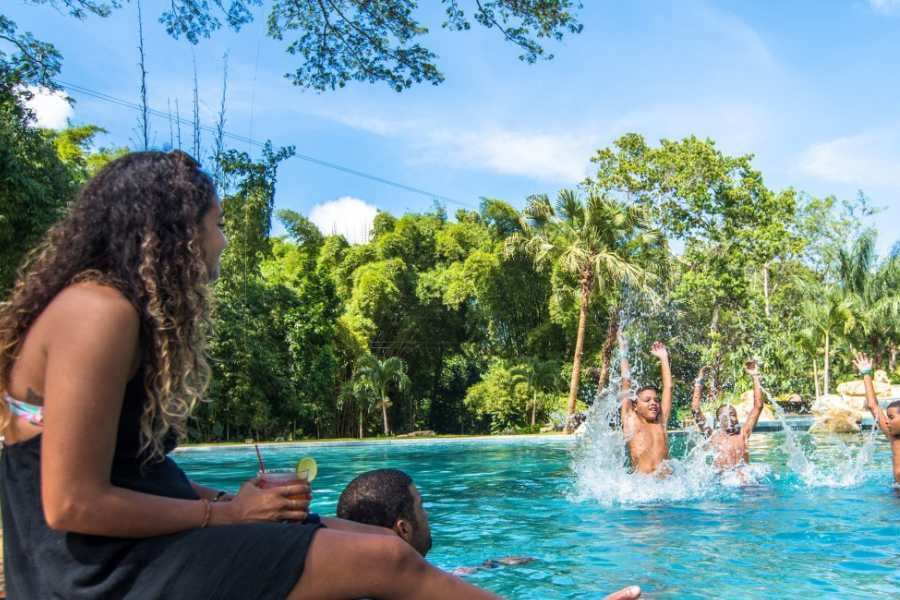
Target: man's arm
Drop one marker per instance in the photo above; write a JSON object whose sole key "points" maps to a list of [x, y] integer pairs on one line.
{"points": [[659, 351], [753, 370], [699, 419], [864, 365]]}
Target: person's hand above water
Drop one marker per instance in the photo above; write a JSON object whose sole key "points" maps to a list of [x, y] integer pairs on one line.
{"points": [[658, 349], [629, 593], [862, 362], [752, 368], [253, 503]]}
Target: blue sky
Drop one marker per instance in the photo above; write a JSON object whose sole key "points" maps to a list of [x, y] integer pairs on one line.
{"points": [[809, 87]]}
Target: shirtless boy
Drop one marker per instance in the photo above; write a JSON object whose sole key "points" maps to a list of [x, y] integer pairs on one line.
{"points": [[889, 419], [729, 441], [645, 417]]}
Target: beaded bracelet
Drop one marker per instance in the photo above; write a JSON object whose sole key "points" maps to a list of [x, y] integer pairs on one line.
{"points": [[207, 513], [866, 371]]}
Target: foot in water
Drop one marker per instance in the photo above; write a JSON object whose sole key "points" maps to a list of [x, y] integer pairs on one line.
{"points": [[493, 563], [629, 593]]}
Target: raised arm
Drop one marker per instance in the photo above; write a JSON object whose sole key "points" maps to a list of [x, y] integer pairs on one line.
{"points": [[626, 408], [699, 419], [863, 364], [659, 351], [752, 369]]}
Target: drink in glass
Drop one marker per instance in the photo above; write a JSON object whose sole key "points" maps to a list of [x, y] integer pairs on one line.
{"points": [[273, 478]]}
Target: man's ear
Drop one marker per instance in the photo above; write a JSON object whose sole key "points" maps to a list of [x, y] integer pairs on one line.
{"points": [[403, 528]]}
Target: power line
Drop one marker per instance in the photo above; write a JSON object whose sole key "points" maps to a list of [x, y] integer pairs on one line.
{"points": [[250, 142]]}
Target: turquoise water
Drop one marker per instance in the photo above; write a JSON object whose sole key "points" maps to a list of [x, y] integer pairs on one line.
{"points": [[829, 536]]}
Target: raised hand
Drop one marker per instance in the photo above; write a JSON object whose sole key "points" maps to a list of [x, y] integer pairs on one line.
{"points": [[659, 351], [862, 362], [704, 370], [752, 367]]}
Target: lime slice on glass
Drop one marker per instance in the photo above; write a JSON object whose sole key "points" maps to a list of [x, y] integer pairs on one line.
{"points": [[306, 468]]}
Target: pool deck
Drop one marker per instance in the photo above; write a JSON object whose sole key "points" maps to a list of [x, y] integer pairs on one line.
{"points": [[380, 441], [794, 422]]}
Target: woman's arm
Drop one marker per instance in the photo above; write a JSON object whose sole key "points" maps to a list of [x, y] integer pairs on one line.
{"points": [[91, 345], [212, 494]]}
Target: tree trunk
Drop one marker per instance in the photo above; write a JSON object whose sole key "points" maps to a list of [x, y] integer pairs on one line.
{"points": [[579, 349], [892, 361], [387, 430], [360, 422], [533, 409], [816, 378], [827, 361], [612, 336], [766, 288]]}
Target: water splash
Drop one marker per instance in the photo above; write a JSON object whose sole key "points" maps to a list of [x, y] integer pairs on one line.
{"points": [[600, 462], [837, 464]]}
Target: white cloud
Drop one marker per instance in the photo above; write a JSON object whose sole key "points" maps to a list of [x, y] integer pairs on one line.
{"points": [[51, 109], [547, 156], [885, 6], [346, 216], [867, 159]]}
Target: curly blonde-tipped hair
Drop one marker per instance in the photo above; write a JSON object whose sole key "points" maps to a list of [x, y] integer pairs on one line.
{"points": [[136, 226]]}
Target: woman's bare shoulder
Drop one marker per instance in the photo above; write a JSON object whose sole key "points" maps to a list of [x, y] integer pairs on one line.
{"points": [[92, 306]]}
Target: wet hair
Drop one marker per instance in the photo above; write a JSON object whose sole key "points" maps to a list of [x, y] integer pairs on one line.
{"points": [[379, 497], [645, 388], [894, 404], [136, 226]]}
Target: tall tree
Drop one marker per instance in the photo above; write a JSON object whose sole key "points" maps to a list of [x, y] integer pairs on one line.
{"points": [[144, 115], [593, 240]]}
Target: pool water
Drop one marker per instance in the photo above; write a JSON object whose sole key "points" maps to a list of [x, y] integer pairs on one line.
{"points": [[788, 535]]}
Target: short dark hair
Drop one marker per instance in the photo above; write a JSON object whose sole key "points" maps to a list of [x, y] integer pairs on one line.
{"points": [[894, 404], [722, 408], [378, 497], [647, 387]]}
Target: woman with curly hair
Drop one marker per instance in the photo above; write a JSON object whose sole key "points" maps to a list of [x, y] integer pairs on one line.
{"points": [[102, 358]]}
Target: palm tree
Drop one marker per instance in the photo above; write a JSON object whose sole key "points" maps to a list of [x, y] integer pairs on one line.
{"points": [[377, 376], [542, 376], [874, 293], [828, 313], [595, 240]]}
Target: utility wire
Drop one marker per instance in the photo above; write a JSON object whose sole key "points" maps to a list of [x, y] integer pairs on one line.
{"points": [[250, 142]]}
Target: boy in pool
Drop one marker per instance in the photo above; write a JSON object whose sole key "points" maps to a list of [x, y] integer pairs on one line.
{"points": [[645, 417], [889, 419], [729, 441]]}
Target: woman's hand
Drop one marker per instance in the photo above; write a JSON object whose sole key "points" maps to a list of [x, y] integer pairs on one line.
{"points": [[285, 503]]}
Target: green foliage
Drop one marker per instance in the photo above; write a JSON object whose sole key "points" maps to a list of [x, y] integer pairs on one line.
{"points": [[337, 41], [35, 183]]}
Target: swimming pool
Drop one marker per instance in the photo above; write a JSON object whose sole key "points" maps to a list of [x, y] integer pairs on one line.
{"points": [[831, 537]]}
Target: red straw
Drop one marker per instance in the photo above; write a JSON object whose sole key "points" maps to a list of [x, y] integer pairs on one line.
{"points": [[262, 465]]}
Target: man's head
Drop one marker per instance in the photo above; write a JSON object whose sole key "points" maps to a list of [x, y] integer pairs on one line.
{"points": [[646, 404], [387, 498], [892, 414], [727, 419]]}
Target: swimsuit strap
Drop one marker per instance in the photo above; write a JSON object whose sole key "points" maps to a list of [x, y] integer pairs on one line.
{"points": [[30, 412]]}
